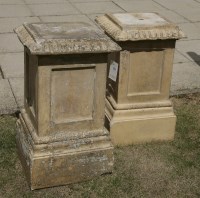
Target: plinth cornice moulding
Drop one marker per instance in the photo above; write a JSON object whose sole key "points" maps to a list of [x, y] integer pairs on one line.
{"points": [[139, 26], [50, 38]]}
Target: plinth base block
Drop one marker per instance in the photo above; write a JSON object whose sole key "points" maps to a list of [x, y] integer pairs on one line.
{"points": [[56, 164], [140, 125]]}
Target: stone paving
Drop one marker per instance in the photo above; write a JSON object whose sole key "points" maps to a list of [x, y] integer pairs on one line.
{"points": [[186, 13]]}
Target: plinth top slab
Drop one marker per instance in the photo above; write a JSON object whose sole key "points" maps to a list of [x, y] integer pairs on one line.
{"points": [[139, 26], [64, 38]]}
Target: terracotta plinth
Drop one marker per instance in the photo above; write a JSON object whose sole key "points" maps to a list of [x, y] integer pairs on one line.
{"points": [[61, 136], [138, 108]]}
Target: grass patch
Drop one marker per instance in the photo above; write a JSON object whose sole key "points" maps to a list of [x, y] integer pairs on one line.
{"points": [[164, 169], [8, 155]]}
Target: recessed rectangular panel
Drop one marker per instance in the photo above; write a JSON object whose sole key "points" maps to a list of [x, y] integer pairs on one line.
{"points": [[72, 94], [31, 67], [145, 73]]}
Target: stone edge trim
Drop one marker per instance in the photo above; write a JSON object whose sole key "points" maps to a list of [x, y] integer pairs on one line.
{"points": [[65, 46], [166, 32]]}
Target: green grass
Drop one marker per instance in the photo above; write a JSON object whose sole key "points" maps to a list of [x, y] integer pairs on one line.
{"points": [[162, 169], [8, 155]]}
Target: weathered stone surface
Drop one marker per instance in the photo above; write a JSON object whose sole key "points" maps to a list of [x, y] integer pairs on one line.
{"points": [[62, 162], [140, 125], [7, 100], [136, 6], [138, 108], [61, 135], [139, 26], [64, 38], [144, 76]]}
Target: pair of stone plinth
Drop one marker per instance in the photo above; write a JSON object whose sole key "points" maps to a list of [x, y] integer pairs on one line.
{"points": [[63, 134]]}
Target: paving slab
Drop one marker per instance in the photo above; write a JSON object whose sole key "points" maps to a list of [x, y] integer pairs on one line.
{"points": [[12, 65], [177, 4], [139, 6], [83, 1], [192, 30], [179, 58], [10, 43], [69, 18], [17, 85], [192, 15], [197, 24], [97, 7], [14, 11], [44, 1], [190, 49], [186, 71], [190, 9], [185, 78], [7, 100], [173, 17], [8, 24], [11, 2], [53, 9]]}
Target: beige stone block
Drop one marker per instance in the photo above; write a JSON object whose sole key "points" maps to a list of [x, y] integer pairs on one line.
{"points": [[138, 108], [144, 75], [62, 162], [61, 135], [141, 125]]}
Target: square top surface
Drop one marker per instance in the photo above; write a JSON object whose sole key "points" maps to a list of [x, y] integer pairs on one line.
{"points": [[64, 38], [138, 19], [48, 31], [139, 26]]}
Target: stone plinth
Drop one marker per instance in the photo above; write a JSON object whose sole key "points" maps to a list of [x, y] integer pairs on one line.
{"points": [[138, 108], [61, 136]]}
